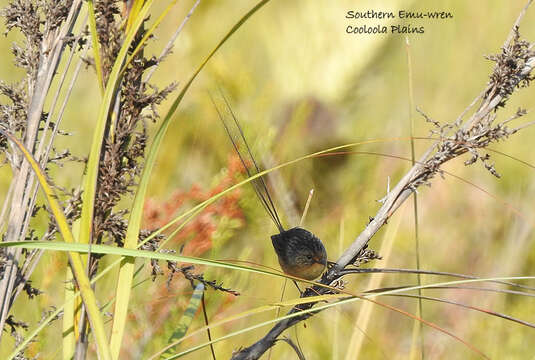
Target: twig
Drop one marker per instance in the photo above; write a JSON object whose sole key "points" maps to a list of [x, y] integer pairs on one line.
{"points": [[207, 325], [306, 207], [171, 41]]}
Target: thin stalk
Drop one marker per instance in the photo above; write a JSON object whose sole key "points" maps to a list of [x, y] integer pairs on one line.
{"points": [[418, 327]]}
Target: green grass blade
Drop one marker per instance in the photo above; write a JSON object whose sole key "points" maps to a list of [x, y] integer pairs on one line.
{"points": [[144, 254], [127, 266], [69, 339], [134, 13], [187, 317], [126, 271], [70, 308], [90, 181], [75, 259], [124, 288]]}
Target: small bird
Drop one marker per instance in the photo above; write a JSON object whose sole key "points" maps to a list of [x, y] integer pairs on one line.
{"points": [[300, 253]]}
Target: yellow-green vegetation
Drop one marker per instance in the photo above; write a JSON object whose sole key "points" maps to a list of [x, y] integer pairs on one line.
{"points": [[299, 84]]}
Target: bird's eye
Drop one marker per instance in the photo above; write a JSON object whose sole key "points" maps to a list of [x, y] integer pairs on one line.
{"points": [[309, 257]]}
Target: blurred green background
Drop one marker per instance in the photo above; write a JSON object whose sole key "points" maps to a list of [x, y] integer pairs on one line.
{"points": [[299, 83]]}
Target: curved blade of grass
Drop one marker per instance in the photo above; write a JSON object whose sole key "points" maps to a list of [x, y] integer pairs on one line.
{"points": [[133, 14], [144, 254], [126, 271], [90, 181], [127, 267], [499, 291], [28, 338], [88, 296], [427, 272], [95, 44], [187, 317]]}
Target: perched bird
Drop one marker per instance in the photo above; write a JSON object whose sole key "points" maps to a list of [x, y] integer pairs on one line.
{"points": [[300, 253]]}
